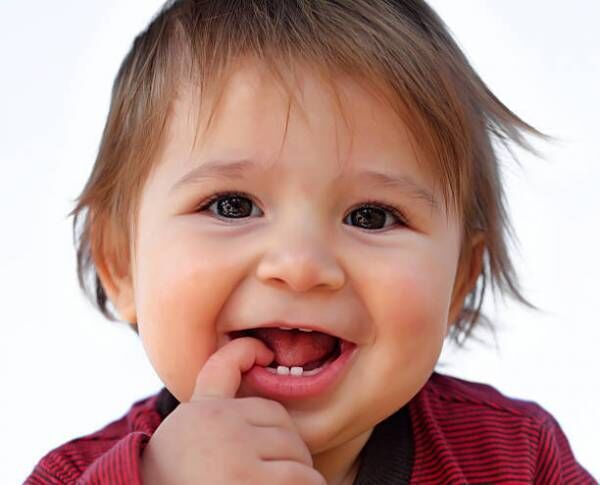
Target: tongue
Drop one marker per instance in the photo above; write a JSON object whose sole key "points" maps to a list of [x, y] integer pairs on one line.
{"points": [[296, 348]]}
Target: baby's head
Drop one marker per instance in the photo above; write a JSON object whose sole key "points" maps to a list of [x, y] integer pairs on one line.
{"points": [[327, 163]]}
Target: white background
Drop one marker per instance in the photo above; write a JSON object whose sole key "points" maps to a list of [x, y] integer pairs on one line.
{"points": [[66, 372]]}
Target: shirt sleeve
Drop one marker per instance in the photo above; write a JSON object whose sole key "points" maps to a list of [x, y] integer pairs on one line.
{"points": [[555, 460], [91, 462]]}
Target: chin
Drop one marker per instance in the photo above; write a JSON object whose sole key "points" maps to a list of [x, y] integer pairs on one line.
{"points": [[318, 438]]}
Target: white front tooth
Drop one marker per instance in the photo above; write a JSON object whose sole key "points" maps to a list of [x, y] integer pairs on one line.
{"points": [[282, 370], [305, 329], [296, 371], [284, 328]]}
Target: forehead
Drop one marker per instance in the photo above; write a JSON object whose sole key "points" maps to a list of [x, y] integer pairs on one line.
{"points": [[252, 116]]}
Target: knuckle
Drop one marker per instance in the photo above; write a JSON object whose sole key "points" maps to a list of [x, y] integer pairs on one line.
{"points": [[274, 407], [297, 474], [278, 407], [314, 478], [319, 480]]}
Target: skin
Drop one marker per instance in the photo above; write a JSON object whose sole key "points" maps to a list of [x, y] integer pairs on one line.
{"points": [[195, 276]]}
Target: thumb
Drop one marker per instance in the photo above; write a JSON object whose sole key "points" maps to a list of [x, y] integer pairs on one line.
{"points": [[221, 374]]}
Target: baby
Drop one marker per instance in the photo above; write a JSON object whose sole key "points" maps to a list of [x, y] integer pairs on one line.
{"points": [[295, 202]]}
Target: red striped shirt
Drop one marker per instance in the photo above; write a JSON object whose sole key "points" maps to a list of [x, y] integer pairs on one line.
{"points": [[452, 431]]}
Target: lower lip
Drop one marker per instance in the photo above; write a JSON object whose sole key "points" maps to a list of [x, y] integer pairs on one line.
{"points": [[275, 386]]}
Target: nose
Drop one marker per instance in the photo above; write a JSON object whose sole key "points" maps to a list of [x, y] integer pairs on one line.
{"points": [[300, 257]]}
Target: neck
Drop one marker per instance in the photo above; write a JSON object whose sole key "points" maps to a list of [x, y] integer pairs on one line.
{"points": [[339, 466]]}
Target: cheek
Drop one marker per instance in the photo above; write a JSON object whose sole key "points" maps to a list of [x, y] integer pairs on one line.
{"points": [[180, 289], [411, 296]]}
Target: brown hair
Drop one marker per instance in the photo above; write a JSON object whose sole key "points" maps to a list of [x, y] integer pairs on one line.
{"points": [[400, 47]]}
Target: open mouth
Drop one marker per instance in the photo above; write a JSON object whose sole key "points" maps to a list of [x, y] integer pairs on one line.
{"points": [[306, 364], [297, 352]]}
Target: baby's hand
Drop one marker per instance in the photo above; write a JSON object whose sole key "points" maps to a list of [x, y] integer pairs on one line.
{"points": [[217, 439]]}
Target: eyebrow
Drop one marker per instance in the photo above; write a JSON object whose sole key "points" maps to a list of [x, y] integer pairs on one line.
{"points": [[237, 170]]}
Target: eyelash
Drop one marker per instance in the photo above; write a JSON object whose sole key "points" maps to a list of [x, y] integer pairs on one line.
{"points": [[401, 218]]}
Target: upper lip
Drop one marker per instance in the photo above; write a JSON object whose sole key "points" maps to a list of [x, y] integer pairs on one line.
{"points": [[329, 329]]}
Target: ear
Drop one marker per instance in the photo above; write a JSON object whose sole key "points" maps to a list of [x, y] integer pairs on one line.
{"points": [[469, 269], [111, 259]]}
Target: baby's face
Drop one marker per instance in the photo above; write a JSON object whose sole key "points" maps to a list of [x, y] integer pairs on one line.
{"points": [[297, 247]]}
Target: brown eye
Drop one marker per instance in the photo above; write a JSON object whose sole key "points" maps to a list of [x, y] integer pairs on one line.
{"points": [[229, 205], [371, 216]]}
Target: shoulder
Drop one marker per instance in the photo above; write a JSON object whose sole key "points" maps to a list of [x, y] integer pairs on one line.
{"points": [[471, 430], [453, 394], [461, 411], [141, 417], [72, 458]]}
